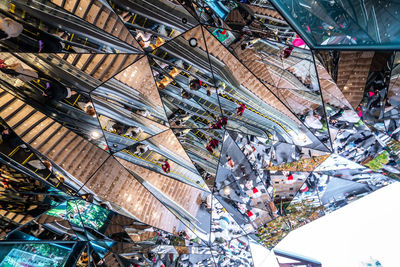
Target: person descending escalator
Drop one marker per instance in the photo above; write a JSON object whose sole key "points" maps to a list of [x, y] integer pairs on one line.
{"points": [[17, 71], [165, 166], [119, 128], [56, 91], [218, 125], [240, 110], [195, 84], [286, 52], [9, 28]]}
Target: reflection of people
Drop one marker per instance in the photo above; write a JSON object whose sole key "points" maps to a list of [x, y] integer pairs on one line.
{"points": [[240, 110], [89, 109], [135, 131], [16, 70], [9, 28], [165, 166], [221, 122], [119, 128], [229, 162], [141, 149], [286, 52], [57, 92]]}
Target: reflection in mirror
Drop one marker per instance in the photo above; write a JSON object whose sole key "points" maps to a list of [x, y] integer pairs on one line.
{"points": [[373, 102], [125, 191], [203, 147], [122, 128], [192, 210], [352, 138], [248, 104], [185, 255], [223, 227], [99, 14], [71, 106], [286, 184], [181, 107], [36, 27], [135, 90], [47, 227], [41, 254], [155, 154], [340, 192], [236, 250], [244, 182], [254, 19], [146, 20], [248, 217], [292, 78], [23, 197], [193, 75]]}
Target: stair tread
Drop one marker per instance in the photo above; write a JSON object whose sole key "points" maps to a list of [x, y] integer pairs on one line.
{"points": [[28, 123], [46, 136], [35, 130], [11, 108]]}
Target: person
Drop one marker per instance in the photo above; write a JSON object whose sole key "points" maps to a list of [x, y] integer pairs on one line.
{"points": [[16, 70], [144, 113], [119, 128], [136, 131], [229, 162], [145, 38], [211, 145], [38, 164], [195, 84], [209, 148], [185, 94], [89, 109], [218, 125], [9, 137], [240, 110], [141, 149], [57, 92], [286, 52], [165, 166], [9, 28]]}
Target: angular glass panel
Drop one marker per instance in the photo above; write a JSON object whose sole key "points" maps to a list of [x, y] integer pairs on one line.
{"points": [[128, 193], [29, 252], [342, 23], [203, 146], [194, 77], [47, 28], [148, 23], [155, 155]]}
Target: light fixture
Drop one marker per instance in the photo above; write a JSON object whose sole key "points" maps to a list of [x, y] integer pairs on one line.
{"points": [[227, 191], [193, 42], [95, 134]]}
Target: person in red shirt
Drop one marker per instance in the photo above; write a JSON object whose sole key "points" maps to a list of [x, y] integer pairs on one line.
{"points": [[287, 52], [221, 122], [165, 166], [213, 143], [240, 109]]}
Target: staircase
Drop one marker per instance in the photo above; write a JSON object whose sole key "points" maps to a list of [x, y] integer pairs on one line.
{"points": [[353, 69], [101, 16], [99, 66], [107, 178], [73, 153]]}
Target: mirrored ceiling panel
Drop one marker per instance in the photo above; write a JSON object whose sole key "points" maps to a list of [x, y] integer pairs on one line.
{"points": [[203, 146], [171, 132], [45, 27], [146, 20]]}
